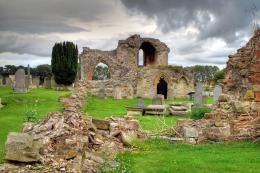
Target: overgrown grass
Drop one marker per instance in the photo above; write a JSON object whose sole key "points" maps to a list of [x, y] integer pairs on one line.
{"points": [[13, 114], [156, 155]]}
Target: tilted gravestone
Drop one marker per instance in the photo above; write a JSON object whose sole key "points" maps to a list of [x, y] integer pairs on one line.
{"points": [[198, 95], [101, 91], [20, 81], [158, 100], [216, 93]]}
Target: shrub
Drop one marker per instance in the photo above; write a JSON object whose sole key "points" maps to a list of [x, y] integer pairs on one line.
{"points": [[198, 113]]}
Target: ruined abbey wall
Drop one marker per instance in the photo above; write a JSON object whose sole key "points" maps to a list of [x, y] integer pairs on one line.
{"points": [[130, 79]]}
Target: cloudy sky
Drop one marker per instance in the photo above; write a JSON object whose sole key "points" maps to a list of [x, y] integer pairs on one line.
{"points": [[197, 31]]}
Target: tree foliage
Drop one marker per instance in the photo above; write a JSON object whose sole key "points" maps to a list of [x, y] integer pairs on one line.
{"points": [[203, 73], [219, 75], [101, 73], [64, 62]]}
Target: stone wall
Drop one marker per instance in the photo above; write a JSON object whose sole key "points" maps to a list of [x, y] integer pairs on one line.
{"points": [[128, 76]]}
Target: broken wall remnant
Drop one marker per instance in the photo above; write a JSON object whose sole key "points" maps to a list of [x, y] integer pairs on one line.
{"points": [[236, 114], [127, 73]]}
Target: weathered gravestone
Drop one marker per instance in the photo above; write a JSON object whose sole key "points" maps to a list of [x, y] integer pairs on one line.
{"points": [[204, 99], [20, 81], [216, 93], [47, 83], [36, 81], [140, 103], [101, 91], [198, 95], [1, 80], [158, 100], [8, 82]]}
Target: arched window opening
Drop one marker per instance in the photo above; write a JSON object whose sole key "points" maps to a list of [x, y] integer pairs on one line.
{"points": [[101, 72], [148, 52], [162, 87]]}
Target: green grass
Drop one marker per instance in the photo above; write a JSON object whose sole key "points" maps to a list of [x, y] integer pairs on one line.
{"points": [[104, 108], [155, 155], [13, 114]]}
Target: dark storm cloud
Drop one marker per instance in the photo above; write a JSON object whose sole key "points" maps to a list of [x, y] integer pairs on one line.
{"points": [[40, 16], [213, 18]]}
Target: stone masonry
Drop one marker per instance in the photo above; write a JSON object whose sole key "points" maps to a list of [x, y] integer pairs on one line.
{"points": [[127, 74]]}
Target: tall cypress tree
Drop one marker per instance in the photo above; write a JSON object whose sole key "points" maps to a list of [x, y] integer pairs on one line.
{"points": [[64, 62]]}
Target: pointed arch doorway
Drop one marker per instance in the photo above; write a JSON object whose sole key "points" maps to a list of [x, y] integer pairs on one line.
{"points": [[162, 87]]}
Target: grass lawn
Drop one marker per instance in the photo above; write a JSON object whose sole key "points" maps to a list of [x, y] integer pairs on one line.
{"points": [[104, 108], [13, 114], [158, 156]]}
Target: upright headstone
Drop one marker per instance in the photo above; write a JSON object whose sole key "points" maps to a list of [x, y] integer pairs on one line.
{"points": [[8, 82], [53, 83], [140, 103], [204, 99], [118, 93], [1, 80], [47, 83], [198, 95], [101, 91], [36, 81], [20, 86], [158, 100], [216, 93]]}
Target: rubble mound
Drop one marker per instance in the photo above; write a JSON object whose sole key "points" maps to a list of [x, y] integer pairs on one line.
{"points": [[68, 141]]}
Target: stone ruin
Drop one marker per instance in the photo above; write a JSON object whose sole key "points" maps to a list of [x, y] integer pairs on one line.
{"points": [[69, 141], [236, 114], [129, 77]]}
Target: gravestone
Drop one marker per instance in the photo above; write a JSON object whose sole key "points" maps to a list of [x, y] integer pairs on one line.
{"points": [[140, 103], [204, 99], [198, 95], [118, 93], [1, 80], [101, 91], [36, 81], [28, 81], [53, 82], [47, 83], [8, 82], [216, 93], [158, 100], [20, 81]]}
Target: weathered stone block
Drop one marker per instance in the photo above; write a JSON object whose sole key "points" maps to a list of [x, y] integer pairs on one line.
{"points": [[101, 124], [256, 88], [257, 96], [241, 107], [255, 106], [21, 147], [190, 132]]}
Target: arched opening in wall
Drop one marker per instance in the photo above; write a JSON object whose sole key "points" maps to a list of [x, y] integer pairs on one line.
{"points": [[147, 51], [162, 87], [101, 72]]}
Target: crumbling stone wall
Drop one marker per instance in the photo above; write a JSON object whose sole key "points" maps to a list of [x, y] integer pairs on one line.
{"points": [[243, 69], [126, 73]]}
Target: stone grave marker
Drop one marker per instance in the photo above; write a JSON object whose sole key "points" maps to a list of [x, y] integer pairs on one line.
{"points": [[216, 93], [101, 91], [204, 99], [1, 103], [36, 81], [158, 100], [47, 83], [20, 81], [140, 103], [1, 80], [8, 82], [198, 95]]}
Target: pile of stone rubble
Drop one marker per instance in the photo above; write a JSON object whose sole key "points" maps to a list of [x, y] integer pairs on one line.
{"points": [[68, 141]]}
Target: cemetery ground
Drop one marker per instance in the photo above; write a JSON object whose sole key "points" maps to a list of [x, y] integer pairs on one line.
{"points": [[13, 115], [152, 155]]}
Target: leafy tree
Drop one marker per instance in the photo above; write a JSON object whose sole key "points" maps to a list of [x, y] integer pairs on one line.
{"points": [[64, 62], [219, 75], [203, 73], [43, 71], [10, 69], [101, 73]]}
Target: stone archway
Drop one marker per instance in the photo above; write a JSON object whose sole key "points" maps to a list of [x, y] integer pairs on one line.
{"points": [[162, 87], [146, 55]]}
